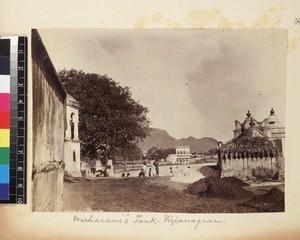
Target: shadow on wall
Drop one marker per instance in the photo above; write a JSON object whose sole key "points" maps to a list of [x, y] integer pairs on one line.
{"points": [[48, 130]]}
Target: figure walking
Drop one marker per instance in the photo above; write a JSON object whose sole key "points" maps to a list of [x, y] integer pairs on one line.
{"points": [[156, 165]]}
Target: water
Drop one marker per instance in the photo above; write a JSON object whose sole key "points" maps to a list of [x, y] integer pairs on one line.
{"points": [[182, 173]]}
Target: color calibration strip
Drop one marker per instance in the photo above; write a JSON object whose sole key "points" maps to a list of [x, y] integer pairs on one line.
{"points": [[4, 118], [13, 107]]}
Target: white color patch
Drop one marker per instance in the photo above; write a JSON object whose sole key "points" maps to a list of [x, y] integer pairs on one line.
{"points": [[4, 83]]}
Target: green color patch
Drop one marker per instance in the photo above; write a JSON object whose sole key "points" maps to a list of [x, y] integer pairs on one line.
{"points": [[4, 156]]}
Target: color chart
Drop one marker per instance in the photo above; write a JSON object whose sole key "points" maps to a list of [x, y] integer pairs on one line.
{"points": [[13, 106]]}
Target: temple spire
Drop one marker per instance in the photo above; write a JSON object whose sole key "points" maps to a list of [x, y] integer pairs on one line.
{"points": [[272, 112], [248, 114]]}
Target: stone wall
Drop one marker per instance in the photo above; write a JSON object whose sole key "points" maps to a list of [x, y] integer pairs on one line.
{"points": [[246, 166], [48, 130]]}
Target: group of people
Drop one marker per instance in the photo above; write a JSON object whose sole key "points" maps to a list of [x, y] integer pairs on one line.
{"points": [[153, 170], [153, 166], [127, 175]]}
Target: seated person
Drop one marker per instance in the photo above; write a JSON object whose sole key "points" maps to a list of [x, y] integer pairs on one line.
{"points": [[171, 174], [142, 173]]}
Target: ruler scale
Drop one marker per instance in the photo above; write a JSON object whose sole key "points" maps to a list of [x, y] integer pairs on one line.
{"points": [[18, 118]]}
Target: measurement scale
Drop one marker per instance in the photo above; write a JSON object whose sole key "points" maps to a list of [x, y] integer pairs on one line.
{"points": [[13, 107]]}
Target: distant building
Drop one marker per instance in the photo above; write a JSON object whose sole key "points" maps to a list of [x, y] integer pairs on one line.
{"points": [[172, 158], [72, 142], [183, 156], [182, 150]]}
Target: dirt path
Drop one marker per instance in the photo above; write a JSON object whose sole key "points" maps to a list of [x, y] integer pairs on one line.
{"points": [[142, 195]]}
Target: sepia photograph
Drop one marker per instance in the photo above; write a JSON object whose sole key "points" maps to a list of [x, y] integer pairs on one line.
{"points": [[158, 120]]}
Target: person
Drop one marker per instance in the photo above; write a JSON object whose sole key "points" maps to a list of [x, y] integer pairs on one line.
{"points": [[144, 167], [156, 165], [128, 175], [152, 168], [149, 172], [123, 175], [102, 154], [177, 171], [188, 172], [171, 174], [142, 173], [93, 170], [101, 173]]}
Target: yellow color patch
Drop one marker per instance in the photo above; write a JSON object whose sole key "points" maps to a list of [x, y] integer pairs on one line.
{"points": [[4, 137]]}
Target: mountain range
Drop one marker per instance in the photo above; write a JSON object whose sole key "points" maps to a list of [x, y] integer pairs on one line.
{"points": [[161, 139]]}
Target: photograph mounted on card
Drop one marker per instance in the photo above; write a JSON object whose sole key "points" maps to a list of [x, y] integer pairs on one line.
{"points": [[174, 121]]}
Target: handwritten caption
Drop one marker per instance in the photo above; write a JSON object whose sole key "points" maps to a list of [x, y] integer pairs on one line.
{"points": [[142, 219], [297, 21]]}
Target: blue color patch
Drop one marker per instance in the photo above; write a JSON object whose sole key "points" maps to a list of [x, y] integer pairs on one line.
{"points": [[4, 191], [4, 173]]}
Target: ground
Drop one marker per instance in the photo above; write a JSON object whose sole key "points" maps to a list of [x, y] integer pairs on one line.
{"points": [[156, 194]]}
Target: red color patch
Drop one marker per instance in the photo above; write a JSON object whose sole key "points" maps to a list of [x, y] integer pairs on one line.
{"points": [[4, 119], [4, 101]]}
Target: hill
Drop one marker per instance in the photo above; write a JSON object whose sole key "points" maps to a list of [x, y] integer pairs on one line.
{"points": [[162, 140]]}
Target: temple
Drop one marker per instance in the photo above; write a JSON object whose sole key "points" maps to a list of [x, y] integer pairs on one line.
{"points": [[270, 127], [256, 151]]}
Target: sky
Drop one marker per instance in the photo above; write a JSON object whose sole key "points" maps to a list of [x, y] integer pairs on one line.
{"points": [[195, 82]]}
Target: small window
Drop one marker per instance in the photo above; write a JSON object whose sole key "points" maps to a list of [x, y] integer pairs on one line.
{"points": [[72, 125], [74, 156]]}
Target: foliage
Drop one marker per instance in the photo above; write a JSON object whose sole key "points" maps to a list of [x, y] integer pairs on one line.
{"points": [[131, 152], [245, 143], [161, 153], [210, 152], [151, 152], [108, 114]]}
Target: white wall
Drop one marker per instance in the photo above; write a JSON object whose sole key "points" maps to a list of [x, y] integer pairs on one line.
{"points": [[72, 167]]}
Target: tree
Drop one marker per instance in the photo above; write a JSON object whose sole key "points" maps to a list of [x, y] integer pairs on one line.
{"points": [[131, 152], [161, 153], [165, 152], [108, 114], [151, 152]]}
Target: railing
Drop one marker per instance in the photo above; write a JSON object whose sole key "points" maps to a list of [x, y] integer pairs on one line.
{"points": [[247, 154], [245, 164]]}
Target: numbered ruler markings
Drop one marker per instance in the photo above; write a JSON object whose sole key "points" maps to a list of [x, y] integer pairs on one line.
{"points": [[21, 123]]}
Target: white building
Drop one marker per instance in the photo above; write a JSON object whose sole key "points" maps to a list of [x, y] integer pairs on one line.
{"points": [[72, 142], [183, 156], [183, 150], [172, 158]]}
